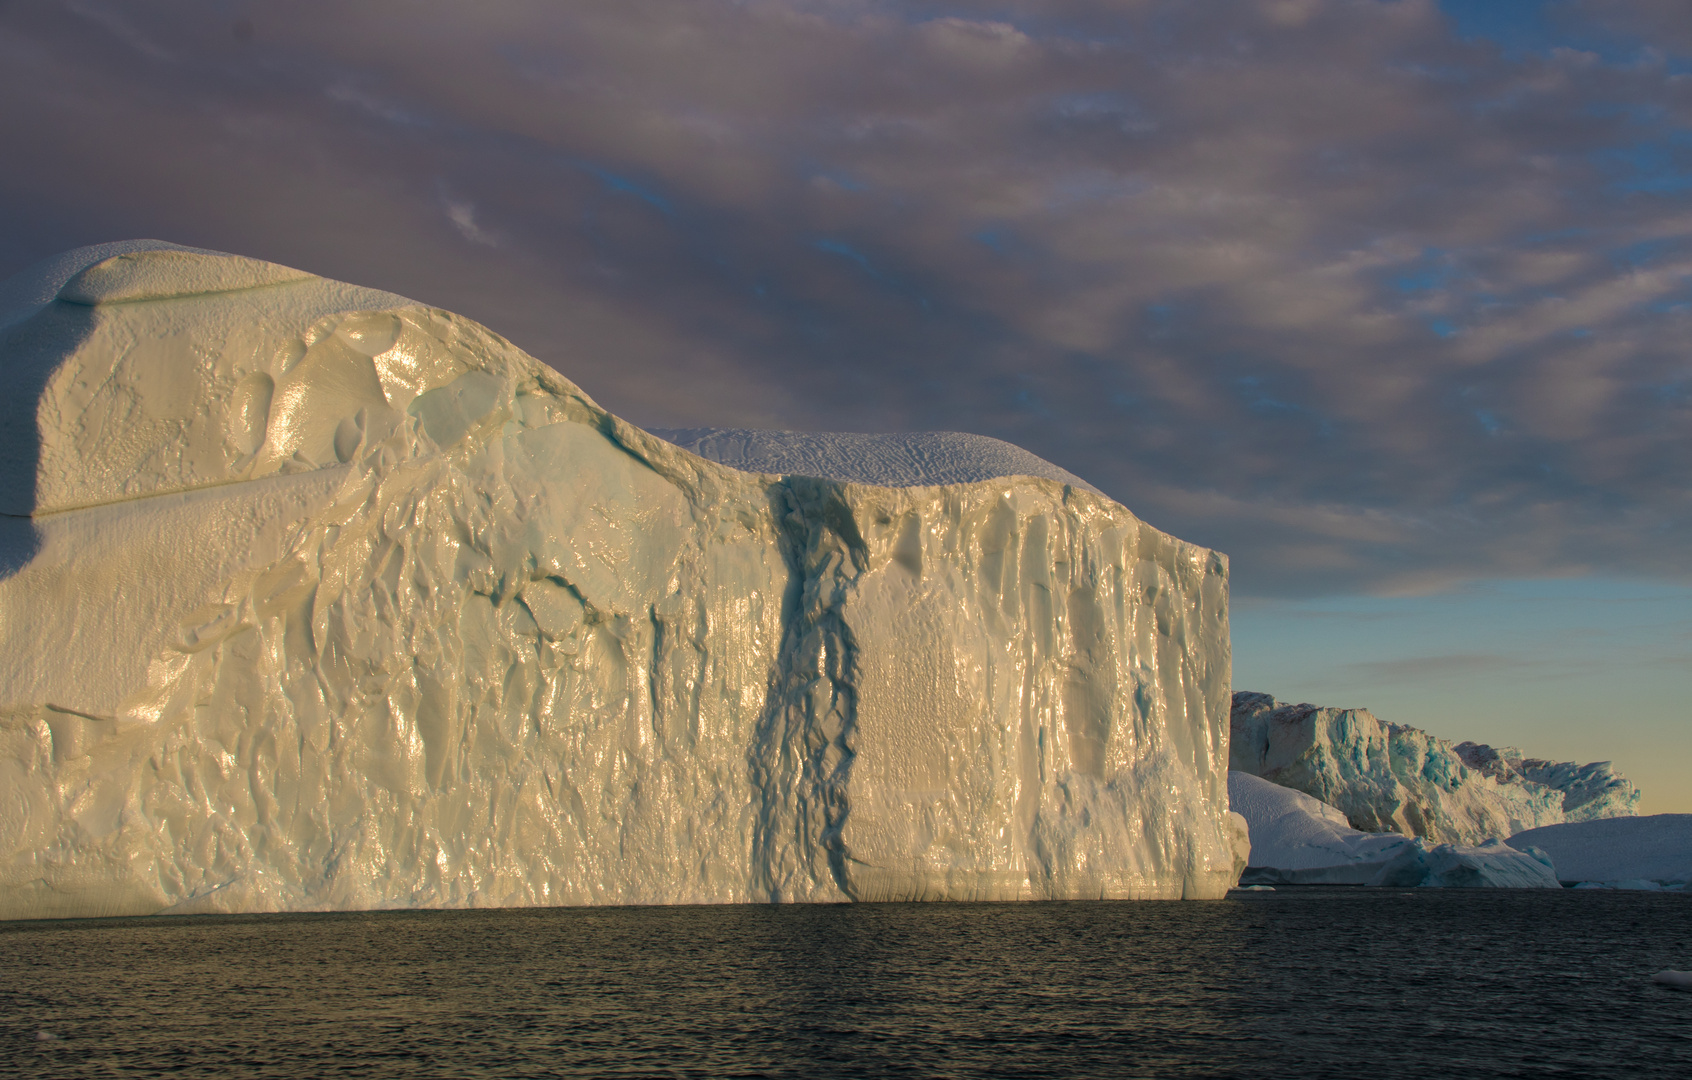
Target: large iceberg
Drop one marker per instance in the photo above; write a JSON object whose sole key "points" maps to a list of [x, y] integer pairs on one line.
{"points": [[1396, 778], [313, 597], [1296, 840]]}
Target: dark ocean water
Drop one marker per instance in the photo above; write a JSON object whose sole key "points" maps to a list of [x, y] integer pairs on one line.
{"points": [[1295, 983]]}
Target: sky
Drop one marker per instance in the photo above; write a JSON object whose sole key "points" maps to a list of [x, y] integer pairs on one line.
{"points": [[1389, 300]]}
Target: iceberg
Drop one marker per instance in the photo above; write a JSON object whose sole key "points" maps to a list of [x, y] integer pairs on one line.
{"points": [[1651, 852], [1297, 840], [313, 597], [1396, 778]]}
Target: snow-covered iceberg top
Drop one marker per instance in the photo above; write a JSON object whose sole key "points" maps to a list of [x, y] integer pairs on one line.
{"points": [[139, 368], [907, 459], [1393, 777], [1297, 840], [315, 597]]}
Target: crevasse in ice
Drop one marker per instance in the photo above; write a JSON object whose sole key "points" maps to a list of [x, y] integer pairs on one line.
{"points": [[312, 597]]}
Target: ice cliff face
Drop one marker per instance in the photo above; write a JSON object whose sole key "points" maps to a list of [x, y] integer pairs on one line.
{"points": [[1395, 778], [314, 597]]}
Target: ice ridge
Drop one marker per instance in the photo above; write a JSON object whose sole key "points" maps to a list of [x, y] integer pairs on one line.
{"points": [[1591, 792]]}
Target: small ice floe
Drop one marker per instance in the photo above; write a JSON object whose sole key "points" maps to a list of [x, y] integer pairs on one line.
{"points": [[1680, 979], [1257, 888], [48, 1036]]}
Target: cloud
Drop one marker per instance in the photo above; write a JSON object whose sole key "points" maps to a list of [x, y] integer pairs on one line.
{"points": [[1661, 23], [360, 98], [1365, 304], [463, 217]]}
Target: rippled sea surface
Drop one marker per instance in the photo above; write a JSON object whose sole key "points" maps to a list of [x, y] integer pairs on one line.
{"points": [[1302, 983]]}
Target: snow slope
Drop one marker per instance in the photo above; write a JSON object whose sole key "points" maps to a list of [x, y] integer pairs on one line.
{"points": [[313, 597], [1296, 840], [1393, 777], [1638, 851]]}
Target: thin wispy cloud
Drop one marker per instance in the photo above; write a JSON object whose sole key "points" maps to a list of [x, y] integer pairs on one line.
{"points": [[360, 98], [1346, 288], [463, 217], [112, 20]]}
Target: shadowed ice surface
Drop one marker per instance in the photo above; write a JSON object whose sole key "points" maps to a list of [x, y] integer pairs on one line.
{"points": [[1312, 983]]}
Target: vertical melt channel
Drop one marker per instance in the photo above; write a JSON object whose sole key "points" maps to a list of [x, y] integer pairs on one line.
{"points": [[802, 753]]}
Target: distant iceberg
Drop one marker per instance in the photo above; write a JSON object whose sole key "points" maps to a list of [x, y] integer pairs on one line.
{"points": [[1297, 840], [313, 597], [1396, 778], [1653, 852]]}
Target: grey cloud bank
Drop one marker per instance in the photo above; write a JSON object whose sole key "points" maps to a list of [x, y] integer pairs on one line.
{"points": [[1322, 284]]}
